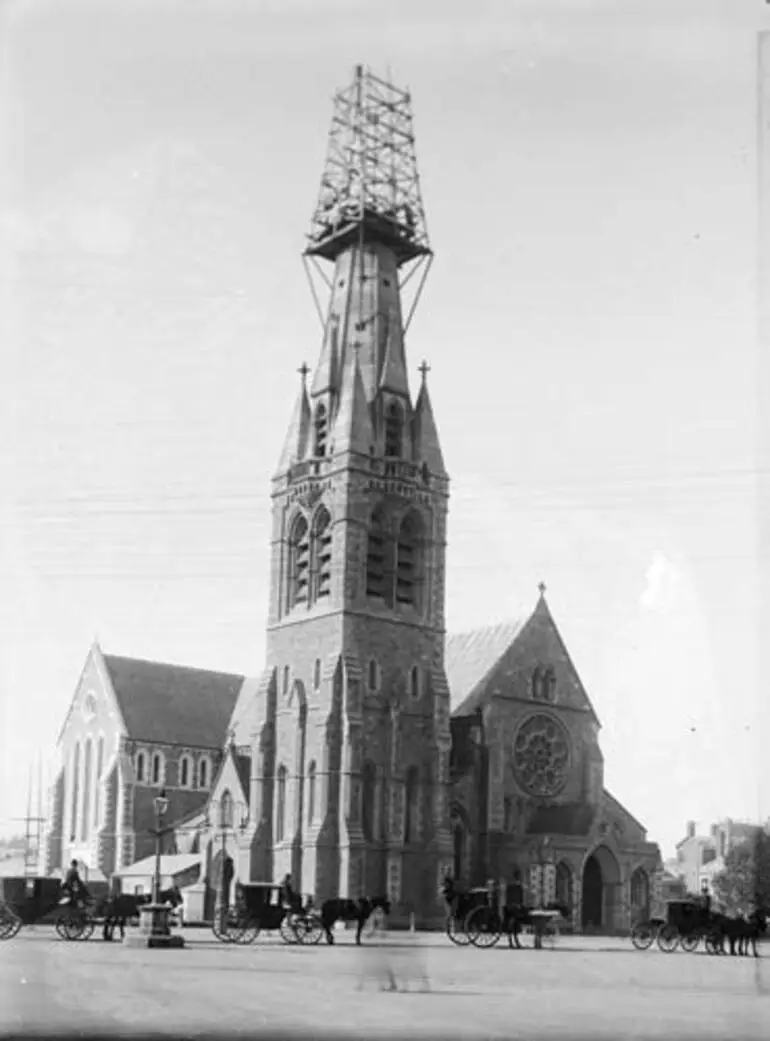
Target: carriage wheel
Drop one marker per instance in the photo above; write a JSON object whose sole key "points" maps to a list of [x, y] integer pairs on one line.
{"points": [[69, 927], [690, 943], [642, 937], [483, 927], [225, 925], [246, 932], [309, 929], [10, 923], [455, 930], [287, 929], [713, 943], [668, 938]]}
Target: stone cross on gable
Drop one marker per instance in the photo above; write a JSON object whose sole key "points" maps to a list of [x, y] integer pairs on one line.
{"points": [[303, 370], [424, 370]]}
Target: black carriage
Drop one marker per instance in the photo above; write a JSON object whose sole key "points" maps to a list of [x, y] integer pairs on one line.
{"points": [[687, 923], [25, 901], [462, 905], [259, 908]]}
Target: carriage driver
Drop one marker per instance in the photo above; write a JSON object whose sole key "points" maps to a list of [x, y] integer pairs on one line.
{"points": [[288, 896], [73, 885]]}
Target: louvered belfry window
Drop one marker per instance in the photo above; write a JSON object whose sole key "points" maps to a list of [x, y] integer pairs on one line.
{"points": [[322, 551], [376, 558], [320, 430], [407, 561], [393, 431], [299, 560]]}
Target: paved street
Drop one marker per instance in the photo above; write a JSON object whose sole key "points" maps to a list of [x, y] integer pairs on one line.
{"points": [[595, 988]]}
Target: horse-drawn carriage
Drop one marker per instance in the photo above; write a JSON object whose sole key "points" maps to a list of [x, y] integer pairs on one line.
{"points": [[259, 907], [472, 918], [25, 901], [687, 923]]}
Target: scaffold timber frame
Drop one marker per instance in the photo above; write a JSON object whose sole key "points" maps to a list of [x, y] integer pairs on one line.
{"points": [[370, 187]]}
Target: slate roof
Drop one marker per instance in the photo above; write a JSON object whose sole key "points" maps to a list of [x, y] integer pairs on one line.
{"points": [[243, 768], [173, 704], [469, 658]]}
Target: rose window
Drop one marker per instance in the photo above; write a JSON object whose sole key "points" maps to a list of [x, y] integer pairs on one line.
{"points": [[541, 755]]}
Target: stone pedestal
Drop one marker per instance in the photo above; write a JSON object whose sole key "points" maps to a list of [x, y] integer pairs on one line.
{"points": [[154, 929]]}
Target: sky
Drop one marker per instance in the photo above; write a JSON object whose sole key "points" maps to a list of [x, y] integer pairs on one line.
{"points": [[589, 172]]}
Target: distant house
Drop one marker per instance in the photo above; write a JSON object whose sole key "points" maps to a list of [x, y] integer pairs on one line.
{"points": [[699, 858], [133, 728]]}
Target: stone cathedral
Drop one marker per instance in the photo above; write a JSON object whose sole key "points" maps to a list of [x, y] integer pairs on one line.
{"points": [[376, 752]]}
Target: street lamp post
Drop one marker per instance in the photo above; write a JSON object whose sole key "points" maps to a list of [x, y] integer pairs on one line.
{"points": [[154, 930], [160, 804]]}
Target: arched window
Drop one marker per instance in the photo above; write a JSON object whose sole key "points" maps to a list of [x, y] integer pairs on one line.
{"points": [[408, 560], [317, 674], [85, 817], [640, 893], [379, 577], [299, 560], [548, 684], [311, 773], [373, 675], [322, 554], [99, 771], [411, 797], [413, 684], [368, 807], [203, 773], [394, 426], [564, 884], [320, 430], [286, 678], [537, 683], [184, 771], [141, 768], [157, 768], [280, 804], [75, 793], [226, 809]]}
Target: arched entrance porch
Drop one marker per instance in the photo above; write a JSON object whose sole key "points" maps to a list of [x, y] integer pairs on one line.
{"points": [[600, 890]]}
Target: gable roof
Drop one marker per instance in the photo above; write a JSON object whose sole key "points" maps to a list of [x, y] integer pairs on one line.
{"points": [[469, 658], [173, 704]]}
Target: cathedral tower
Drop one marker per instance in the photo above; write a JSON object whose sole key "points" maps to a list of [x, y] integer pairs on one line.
{"points": [[350, 768]]}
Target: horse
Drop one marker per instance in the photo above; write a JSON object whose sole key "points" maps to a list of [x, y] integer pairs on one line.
{"points": [[121, 908], [339, 909], [741, 932]]}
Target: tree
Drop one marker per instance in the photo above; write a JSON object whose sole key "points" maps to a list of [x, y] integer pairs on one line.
{"points": [[745, 880]]}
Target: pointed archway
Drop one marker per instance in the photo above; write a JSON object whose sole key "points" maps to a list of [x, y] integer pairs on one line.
{"points": [[600, 888]]}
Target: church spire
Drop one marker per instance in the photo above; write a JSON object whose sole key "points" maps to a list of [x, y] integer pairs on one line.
{"points": [[352, 430], [325, 379], [427, 447], [394, 377], [296, 443]]}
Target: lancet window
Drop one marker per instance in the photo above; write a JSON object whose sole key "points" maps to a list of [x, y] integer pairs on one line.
{"points": [[322, 554], [280, 804], [299, 559], [311, 785], [408, 561], [320, 430], [394, 427], [377, 559], [85, 818]]}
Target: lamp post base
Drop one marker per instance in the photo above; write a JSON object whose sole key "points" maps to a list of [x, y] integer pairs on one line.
{"points": [[154, 929]]}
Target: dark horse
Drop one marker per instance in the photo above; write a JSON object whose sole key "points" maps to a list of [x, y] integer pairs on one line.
{"points": [[739, 931], [117, 910], [344, 910]]}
